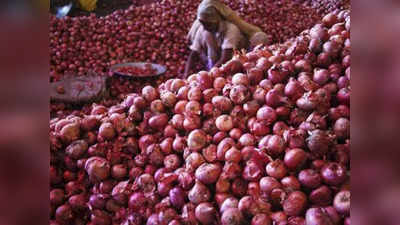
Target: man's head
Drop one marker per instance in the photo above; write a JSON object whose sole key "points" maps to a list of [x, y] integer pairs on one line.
{"points": [[210, 19]]}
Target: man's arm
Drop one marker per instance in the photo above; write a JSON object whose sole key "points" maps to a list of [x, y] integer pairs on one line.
{"points": [[225, 56], [190, 62]]}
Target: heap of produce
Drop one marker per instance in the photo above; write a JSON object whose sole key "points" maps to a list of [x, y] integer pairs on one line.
{"points": [[262, 140]]}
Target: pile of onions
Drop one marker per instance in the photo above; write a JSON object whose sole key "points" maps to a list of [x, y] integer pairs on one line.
{"points": [[222, 147]]}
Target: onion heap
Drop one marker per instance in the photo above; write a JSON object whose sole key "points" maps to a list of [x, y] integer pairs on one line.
{"points": [[263, 139]]}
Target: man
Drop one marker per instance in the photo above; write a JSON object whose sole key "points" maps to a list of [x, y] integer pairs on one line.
{"points": [[218, 31]]}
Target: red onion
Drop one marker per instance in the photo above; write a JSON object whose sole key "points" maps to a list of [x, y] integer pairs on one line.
{"points": [[98, 168], [295, 203], [157, 106], [295, 158], [316, 216], [239, 94], [267, 114], [196, 140], [137, 200], [208, 173], [224, 123], [149, 93], [222, 103], [341, 202], [240, 79], [176, 196], [64, 214], [261, 219], [321, 76], [333, 173], [199, 193], [57, 197], [321, 196], [232, 216], [205, 213], [159, 121]]}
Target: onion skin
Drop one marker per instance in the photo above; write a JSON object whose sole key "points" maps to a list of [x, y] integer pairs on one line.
{"points": [[205, 213], [208, 173], [231, 216], [196, 140], [316, 216], [97, 168], [295, 204], [199, 193]]}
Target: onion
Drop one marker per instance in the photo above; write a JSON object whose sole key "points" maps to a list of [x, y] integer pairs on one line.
{"points": [[89, 123], [106, 131], [222, 103], [76, 149], [333, 173], [149, 93], [177, 121], [295, 203], [342, 128], [193, 161], [261, 219], [224, 123], [308, 101], [275, 75], [219, 83], [315, 45], [341, 202], [267, 114], [251, 107], [57, 197], [255, 75], [316, 216], [343, 96], [205, 213], [176, 196], [97, 168], [239, 94], [64, 214], [260, 128], [191, 122], [259, 95], [158, 122], [208, 173], [231, 216], [183, 93], [208, 94], [274, 98], [319, 32], [321, 76], [199, 193], [193, 108], [168, 99], [139, 102], [252, 171], [205, 80], [196, 140], [179, 144], [276, 145], [70, 132], [293, 89], [195, 94], [321, 196]]}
